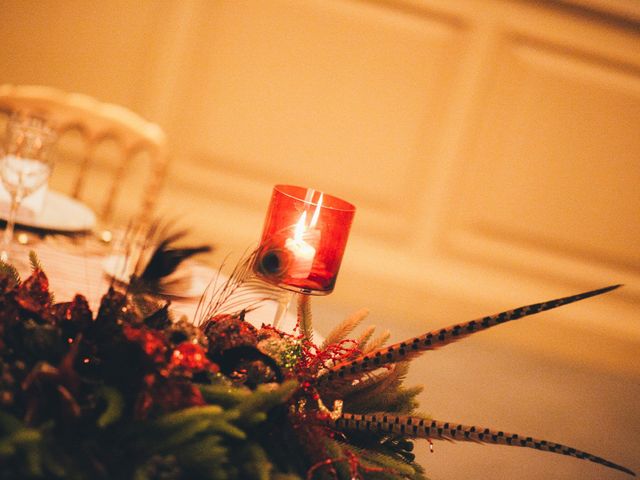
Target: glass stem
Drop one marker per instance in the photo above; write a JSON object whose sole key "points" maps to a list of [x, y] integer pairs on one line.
{"points": [[8, 231], [283, 305]]}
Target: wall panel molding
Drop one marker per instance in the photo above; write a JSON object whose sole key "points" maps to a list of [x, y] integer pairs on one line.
{"points": [[363, 128], [576, 165], [491, 147]]}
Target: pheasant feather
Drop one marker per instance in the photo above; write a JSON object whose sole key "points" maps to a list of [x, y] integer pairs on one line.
{"points": [[409, 349], [419, 427]]}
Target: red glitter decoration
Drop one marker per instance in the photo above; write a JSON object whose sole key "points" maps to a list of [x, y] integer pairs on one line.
{"points": [[77, 311], [9, 309], [312, 359], [175, 394], [33, 294], [355, 467], [191, 356], [145, 397], [151, 341], [161, 394]]}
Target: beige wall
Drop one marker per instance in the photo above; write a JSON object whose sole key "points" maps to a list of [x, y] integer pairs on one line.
{"points": [[492, 148]]}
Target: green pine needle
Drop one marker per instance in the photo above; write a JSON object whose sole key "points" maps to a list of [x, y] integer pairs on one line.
{"points": [[222, 426], [52, 463], [377, 342], [34, 261], [115, 406], [224, 395], [9, 423], [254, 462], [23, 440], [380, 456], [8, 270], [305, 320], [383, 394], [36, 265], [364, 337], [336, 451], [345, 327], [263, 399], [186, 415], [206, 456], [181, 436], [33, 457]]}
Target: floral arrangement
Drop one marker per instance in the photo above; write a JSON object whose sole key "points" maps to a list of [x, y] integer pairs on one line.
{"points": [[131, 393]]}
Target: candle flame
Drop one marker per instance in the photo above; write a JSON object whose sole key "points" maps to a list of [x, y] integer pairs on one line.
{"points": [[300, 227]]}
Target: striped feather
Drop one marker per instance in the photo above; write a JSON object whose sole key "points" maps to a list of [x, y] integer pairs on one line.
{"points": [[408, 349], [418, 427]]}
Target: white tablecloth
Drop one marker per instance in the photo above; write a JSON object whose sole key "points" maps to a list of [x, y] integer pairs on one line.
{"points": [[77, 267]]}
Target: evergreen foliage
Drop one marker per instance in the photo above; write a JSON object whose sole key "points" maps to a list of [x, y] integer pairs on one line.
{"points": [[127, 393]]}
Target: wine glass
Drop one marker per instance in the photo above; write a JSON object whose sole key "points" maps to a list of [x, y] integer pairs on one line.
{"points": [[25, 165]]}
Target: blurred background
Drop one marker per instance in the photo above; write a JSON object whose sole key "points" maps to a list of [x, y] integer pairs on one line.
{"points": [[492, 150]]}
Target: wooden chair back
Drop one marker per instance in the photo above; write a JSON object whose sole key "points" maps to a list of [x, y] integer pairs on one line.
{"points": [[97, 123]]}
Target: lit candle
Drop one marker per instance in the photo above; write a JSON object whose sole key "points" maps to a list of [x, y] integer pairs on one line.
{"points": [[303, 253], [303, 239]]}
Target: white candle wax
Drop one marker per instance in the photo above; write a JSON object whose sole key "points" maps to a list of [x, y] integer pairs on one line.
{"points": [[302, 251], [303, 255]]}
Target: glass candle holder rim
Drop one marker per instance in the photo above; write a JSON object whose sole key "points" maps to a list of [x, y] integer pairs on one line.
{"points": [[346, 206]]}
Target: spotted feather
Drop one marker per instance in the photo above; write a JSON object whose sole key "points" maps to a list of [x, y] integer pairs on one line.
{"points": [[418, 427], [408, 349]]}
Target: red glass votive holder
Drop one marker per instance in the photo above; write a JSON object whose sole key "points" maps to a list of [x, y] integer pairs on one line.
{"points": [[303, 239]]}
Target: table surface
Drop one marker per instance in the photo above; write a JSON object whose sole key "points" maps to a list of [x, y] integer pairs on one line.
{"points": [[75, 265]]}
